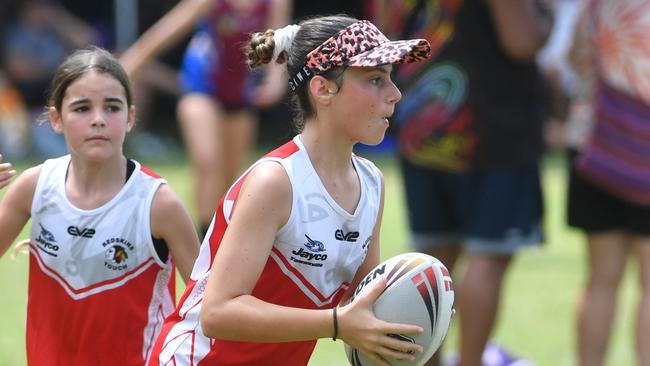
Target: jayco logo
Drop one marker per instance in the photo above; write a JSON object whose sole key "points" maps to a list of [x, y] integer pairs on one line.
{"points": [[313, 253], [309, 256], [46, 242], [83, 232], [352, 236]]}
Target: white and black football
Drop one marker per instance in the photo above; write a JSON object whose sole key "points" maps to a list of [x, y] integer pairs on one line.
{"points": [[419, 291]]}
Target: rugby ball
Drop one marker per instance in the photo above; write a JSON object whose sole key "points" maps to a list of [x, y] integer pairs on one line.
{"points": [[419, 291]]}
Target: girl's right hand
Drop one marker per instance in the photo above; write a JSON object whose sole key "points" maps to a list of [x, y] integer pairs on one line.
{"points": [[6, 173], [359, 328]]}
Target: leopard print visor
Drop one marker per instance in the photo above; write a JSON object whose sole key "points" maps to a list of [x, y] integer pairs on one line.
{"points": [[360, 44]]}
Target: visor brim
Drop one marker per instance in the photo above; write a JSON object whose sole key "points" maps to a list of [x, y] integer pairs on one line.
{"points": [[393, 52]]}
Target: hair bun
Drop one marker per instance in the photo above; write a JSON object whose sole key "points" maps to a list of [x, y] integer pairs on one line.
{"points": [[283, 39]]}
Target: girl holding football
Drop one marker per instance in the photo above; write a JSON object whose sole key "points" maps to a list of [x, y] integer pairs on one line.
{"points": [[104, 229], [272, 269]]}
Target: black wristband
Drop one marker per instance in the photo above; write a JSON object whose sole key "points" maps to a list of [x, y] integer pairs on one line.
{"points": [[336, 324]]}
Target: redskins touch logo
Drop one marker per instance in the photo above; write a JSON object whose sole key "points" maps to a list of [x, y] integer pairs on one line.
{"points": [[116, 257]]}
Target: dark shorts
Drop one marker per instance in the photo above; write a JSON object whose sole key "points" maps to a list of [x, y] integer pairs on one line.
{"points": [[495, 212], [595, 210]]}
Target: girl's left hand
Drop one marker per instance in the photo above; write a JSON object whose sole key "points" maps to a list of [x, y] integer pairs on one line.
{"points": [[6, 173], [359, 328]]}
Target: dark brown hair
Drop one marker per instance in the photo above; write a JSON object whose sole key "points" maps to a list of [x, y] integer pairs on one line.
{"points": [[313, 32], [79, 64]]}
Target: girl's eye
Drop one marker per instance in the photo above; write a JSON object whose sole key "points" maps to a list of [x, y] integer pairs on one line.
{"points": [[375, 81], [113, 108], [80, 109]]}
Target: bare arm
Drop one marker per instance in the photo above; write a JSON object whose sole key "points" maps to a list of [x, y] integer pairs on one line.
{"points": [[6, 173], [171, 221], [229, 310], [165, 33], [581, 53], [16, 206], [274, 84], [74, 30], [523, 26]]}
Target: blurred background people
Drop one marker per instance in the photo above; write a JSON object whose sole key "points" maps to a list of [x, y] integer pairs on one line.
{"points": [[36, 37], [609, 188], [470, 138], [217, 110], [14, 121]]}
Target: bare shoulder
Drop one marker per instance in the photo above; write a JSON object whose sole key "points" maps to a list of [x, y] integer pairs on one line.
{"points": [[26, 182], [20, 193], [265, 194], [165, 198], [166, 208], [269, 178]]}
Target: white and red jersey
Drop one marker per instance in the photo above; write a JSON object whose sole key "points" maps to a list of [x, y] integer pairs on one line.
{"points": [[98, 293], [312, 262]]}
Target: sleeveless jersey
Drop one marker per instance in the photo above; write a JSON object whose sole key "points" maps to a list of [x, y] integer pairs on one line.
{"points": [[312, 262], [98, 294]]}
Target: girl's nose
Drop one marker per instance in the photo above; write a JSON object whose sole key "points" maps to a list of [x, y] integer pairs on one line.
{"points": [[98, 120], [395, 95]]}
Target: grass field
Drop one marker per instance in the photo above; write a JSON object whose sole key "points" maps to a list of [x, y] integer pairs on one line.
{"points": [[537, 314]]}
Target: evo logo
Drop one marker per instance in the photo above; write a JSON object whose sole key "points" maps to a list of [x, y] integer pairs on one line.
{"points": [[352, 236], [83, 232]]}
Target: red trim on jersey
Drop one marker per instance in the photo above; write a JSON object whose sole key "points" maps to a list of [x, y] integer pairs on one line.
{"points": [[304, 281], [41, 263], [148, 171], [61, 330], [190, 309], [154, 334], [283, 151]]}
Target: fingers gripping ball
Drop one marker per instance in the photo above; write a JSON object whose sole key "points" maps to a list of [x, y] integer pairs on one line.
{"points": [[419, 291]]}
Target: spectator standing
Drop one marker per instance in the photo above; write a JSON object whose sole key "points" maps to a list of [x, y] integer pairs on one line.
{"points": [[470, 138], [609, 189]]}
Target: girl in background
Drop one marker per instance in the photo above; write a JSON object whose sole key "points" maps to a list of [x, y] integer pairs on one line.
{"points": [[104, 228]]}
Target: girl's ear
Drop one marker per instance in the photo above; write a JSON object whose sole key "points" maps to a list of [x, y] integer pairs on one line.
{"points": [[130, 123], [55, 120], [321, 90]]}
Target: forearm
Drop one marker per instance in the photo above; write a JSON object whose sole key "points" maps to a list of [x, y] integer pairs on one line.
{"points": [[523, 26], [164, 34], [247, 318], [74, 30]]}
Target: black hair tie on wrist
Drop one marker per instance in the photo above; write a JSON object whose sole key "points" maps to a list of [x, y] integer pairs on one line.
{"points": [[336, 324]]}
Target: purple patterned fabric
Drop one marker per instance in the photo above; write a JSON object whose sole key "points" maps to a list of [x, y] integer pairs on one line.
{"points": [[617, 155]]}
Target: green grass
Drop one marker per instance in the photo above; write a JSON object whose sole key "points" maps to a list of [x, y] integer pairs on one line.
{"points": [[537, 314]]}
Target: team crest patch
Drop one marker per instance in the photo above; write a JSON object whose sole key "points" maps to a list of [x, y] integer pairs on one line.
{"points": [[117, 253], [116, 257]]}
